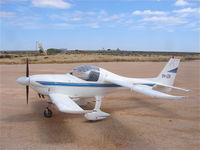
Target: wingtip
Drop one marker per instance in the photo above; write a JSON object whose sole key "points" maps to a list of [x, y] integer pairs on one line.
{"points": [[187, 90]]}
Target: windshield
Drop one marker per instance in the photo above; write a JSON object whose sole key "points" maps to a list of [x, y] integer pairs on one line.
{"points": [[86, 72]]}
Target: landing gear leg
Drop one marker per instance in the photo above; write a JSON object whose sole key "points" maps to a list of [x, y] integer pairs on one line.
{"points": [[48, 112], [97, 114], [98, 103]]}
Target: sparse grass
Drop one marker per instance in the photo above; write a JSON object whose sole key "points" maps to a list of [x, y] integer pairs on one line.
{"points": [[77, 58]]}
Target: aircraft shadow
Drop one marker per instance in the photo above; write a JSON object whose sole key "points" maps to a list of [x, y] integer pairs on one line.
{"points": [[119, 136], [155, 106], [50, 130], [55, 129], [134, 103], [59, 129], [109, 108]]}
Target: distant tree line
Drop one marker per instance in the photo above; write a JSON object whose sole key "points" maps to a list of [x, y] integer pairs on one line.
{"points": [[52, 51]]}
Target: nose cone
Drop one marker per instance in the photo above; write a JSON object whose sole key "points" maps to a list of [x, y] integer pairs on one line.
{"points": [[23, 80]]}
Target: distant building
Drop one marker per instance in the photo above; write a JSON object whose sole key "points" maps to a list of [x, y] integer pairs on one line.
{"points": [[55, 51]]}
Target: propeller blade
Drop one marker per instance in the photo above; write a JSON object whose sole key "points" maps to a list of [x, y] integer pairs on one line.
{"points": [[27, 75], [27, 93], [27, 68]]}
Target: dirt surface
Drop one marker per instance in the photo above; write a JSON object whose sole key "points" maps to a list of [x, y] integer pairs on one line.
{"points": [[137, 122]]}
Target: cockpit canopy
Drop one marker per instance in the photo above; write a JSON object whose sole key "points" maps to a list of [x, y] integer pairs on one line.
{"points": [[86, 72]]}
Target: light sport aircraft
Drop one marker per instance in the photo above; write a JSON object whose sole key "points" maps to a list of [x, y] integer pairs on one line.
{"points": [[66, 90]]}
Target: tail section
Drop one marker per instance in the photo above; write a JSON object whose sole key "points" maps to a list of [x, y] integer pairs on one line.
{"points": [[165, 80], [168, 74]]}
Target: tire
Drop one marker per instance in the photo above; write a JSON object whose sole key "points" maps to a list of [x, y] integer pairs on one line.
{"points": [[48, 113]]}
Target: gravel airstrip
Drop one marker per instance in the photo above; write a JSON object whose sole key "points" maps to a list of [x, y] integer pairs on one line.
{"points": [[137, 122]]}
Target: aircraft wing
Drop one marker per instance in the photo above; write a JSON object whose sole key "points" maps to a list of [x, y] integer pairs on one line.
{"points": [[65, 103], [143, 90]]}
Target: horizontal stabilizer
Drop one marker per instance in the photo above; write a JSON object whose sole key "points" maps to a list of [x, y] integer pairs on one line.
{"points": [[153, 93], [173, 87], [143, 90]]}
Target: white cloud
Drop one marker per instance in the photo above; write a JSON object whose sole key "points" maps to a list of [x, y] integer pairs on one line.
{"points": [[89, 17], [188, 10], [76, 19], [171, 30], [64, 25], [148, 12], [197, 29], [168, 20], [4, 14], [193, 24], [51, 4], [103, 12], [181, 3], [21, 24], [112, 17], [90, 13], [93, 25], [33, 21], [10, 1]]}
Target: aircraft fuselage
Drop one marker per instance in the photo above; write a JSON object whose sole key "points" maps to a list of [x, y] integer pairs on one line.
{"points": [[67, 84]]}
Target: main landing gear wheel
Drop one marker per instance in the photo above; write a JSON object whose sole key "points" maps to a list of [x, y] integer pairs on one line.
{"points": [[48, 113]]}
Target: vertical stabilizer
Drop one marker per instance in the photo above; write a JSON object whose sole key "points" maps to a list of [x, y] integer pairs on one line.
{"points": [[168, 74]]}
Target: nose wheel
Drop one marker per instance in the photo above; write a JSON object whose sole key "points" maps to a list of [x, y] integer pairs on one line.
{"points": [[48, 113]]}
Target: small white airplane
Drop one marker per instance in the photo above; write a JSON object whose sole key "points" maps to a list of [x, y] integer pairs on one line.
{"points": [[66, 90]]}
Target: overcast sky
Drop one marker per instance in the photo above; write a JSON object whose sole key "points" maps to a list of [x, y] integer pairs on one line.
{"points": [[156, 25]]}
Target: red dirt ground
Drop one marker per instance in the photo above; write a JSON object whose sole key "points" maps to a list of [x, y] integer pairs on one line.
{"points": [[137, 122]]}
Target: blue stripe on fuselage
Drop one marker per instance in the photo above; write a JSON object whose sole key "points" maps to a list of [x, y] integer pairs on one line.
{"points": [[77, 84], [83, 84], [148, 84]]}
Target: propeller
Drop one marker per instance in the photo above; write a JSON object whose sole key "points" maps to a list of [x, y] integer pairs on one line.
{"points": [[27, 75]]}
